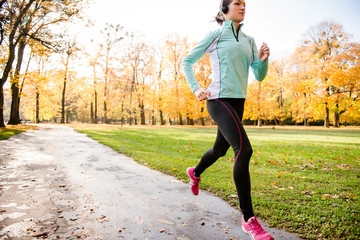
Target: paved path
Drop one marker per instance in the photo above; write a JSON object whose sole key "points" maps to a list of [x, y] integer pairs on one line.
{"points": [[59, 184]]}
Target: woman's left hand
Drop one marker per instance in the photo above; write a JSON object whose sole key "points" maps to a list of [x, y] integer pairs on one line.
{"points": [[264, 52]]}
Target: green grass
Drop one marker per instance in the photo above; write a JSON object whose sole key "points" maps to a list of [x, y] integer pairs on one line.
{"points": [[11, 130], [5, 133], [306, 181]]}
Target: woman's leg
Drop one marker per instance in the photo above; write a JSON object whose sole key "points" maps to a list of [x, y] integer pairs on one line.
{"points": [[218, 150], [227, 115]]}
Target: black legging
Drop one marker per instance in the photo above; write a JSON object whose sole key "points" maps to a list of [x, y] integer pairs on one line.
{"points": [[227, 114]]}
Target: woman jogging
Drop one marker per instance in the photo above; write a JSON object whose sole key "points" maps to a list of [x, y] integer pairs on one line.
{"points": [[231, 54]]}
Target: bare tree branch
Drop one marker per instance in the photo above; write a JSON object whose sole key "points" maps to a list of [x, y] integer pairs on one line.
{"points": [[49, 45], [2, 3]]}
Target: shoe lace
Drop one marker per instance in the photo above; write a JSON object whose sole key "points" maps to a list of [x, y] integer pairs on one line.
{"points": [[256, 227], [193, 182]]}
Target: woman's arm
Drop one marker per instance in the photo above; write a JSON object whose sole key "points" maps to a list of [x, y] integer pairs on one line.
{"points": [[196, 53], [260, 64]]}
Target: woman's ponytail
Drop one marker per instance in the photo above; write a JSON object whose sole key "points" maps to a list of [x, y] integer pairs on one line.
{"points": [[224, 8], [220, 18]]}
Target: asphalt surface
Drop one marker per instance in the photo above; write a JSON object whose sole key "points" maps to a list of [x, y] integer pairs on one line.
{"points": [[56, 183]]}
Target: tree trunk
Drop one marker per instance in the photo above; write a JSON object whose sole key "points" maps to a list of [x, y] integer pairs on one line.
{"points": [[122, 112], [105, 111], [95, 107], [153, 121], [63, 102], [37, 118], [191, 121], [4, 77], [12, 45], [336, 119], [258, 105], [67, 116], [180, 119], [327, 115], [92, 112], [305, 117], [162, 122], [64, 92], [326, 120], [15, 100], [2, 123], [201, 118], [142, 112], [15, 93], [337, 115]]}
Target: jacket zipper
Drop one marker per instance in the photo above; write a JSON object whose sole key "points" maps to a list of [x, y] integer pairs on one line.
{"points": [[236, 36]]}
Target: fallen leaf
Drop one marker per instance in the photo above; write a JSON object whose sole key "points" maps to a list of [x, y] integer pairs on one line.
{"points": [[177, 204], [344, 166], [226, 229], [138, 220], [165, 221], [46, 233]]}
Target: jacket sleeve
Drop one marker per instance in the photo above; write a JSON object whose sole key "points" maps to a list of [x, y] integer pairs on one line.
{"points": [[259, 67], [196, 53]]}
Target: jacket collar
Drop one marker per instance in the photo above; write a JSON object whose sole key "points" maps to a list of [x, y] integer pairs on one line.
{"points": [[230, 23]]}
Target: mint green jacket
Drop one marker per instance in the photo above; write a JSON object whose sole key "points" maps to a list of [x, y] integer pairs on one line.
{"points": [[231, 54]]}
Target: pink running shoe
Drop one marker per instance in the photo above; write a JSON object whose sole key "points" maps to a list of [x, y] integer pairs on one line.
{"points": [[194, 181], [252, 227]]}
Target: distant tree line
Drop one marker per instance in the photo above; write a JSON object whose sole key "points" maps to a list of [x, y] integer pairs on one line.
{"points": [[131, 81]]}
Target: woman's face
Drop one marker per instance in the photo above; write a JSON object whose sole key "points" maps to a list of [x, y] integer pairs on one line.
{"points": [[236, 11]]}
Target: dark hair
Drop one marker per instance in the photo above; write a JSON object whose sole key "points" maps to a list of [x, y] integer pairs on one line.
{"points": [[220, 17]]}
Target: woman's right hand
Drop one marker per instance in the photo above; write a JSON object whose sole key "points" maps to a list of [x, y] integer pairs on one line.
{"points": [[202, 94]]}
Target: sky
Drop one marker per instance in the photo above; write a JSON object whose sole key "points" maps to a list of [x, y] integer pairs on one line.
{"points": [[279, 23]]}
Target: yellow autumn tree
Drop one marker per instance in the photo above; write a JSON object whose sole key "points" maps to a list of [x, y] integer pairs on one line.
{"points": [[345, 82], [302, 89], [260, 105], [175, 50], [326, 42]]}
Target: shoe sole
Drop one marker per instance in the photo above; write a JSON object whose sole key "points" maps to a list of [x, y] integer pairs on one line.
{"points": [[252, 238]]}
